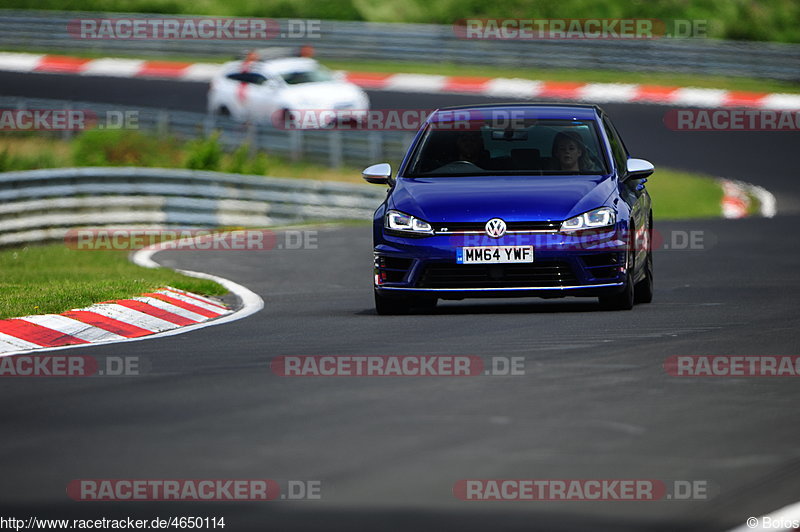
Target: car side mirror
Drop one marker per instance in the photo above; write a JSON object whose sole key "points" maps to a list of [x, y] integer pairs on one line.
{"points": [[378, 174], [639, 168]]}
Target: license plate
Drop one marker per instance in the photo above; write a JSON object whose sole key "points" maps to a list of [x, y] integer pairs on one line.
{"points": [[494, 254]]}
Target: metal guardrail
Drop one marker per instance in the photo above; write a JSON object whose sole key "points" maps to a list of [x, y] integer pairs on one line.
{"points": [[41, 205], [47, 31], [334, 148]]}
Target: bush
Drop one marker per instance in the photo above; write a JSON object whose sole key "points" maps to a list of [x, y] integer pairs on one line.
{"points": [[204, 154], [121, 147], [259, 165], [10, 162], [239, 159]]}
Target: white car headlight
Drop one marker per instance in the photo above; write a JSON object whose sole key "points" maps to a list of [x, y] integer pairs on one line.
{"points": [[601, 217], [400, 221]]}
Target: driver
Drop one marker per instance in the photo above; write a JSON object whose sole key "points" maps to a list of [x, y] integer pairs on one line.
{"points": [[470, 148]]}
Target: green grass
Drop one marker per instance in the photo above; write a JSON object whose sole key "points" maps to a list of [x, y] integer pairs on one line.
{"points": [[765, 20], [54, 278], [678, 195]]}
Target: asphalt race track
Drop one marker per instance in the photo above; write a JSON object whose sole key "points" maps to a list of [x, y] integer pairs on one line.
{"points": [[595, 400]]}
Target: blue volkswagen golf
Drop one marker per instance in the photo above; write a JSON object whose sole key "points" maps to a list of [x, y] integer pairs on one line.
{"points": [[513, 200]]}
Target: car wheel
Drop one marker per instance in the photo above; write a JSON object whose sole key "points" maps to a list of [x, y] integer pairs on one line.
{"points": [[643, 292], [223, 111], [391, 306], [623, 300]]}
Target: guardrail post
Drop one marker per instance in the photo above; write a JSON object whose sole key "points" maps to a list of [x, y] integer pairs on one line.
{"points": [[208, 124], [162, 123], [335, 155], [375, 146], [250, 138], [296, 144]]}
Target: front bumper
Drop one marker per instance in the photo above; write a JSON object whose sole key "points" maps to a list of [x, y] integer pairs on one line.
{"points": [[583, 264]]}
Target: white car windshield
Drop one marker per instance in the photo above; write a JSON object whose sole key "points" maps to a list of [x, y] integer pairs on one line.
{"points": [[296, 77]]}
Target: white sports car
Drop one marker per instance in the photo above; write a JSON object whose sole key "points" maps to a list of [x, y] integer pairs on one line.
{"points": [[270, 87]]}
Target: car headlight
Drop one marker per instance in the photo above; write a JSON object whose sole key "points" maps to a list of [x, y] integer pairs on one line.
{"points": [[601, 217], [400, 221]]}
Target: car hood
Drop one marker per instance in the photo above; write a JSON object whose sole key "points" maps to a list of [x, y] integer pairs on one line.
{"points": [[512, 198]]}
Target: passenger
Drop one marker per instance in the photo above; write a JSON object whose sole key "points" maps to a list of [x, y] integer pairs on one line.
{"points": [[570, 154]]}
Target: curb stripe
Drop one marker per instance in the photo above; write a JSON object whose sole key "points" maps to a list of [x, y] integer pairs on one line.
{"points": [[560, 89], [131, 316], [41, 336], [216, 310], [409, 82], [466, 84], [368, 80], [184, 305], [110, 324], [198, 297], [61, 63], [168, 69], [163, 305], [152, 310], [78, 329], [12, 343]]}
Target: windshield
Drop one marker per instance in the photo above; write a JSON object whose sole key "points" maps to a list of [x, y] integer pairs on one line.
{"points": [[530, 147], [317, 74]]}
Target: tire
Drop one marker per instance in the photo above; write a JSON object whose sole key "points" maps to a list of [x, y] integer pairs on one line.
{"points": [[223, 111], [623, 300], [643, 291]]}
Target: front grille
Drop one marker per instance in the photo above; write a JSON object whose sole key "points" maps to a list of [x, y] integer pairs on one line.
{"points": [[480, 227], [542, 274]]}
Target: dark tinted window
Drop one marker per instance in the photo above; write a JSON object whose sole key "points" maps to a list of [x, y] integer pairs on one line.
{"points": [[529, 147], [248, 77], [617, 147]]}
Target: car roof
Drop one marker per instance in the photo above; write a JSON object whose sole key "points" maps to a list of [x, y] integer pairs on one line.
{"points": [[273, 66], [533, 110]]}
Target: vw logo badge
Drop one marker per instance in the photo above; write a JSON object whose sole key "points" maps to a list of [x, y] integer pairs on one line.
{"points": [[495, 228]]}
